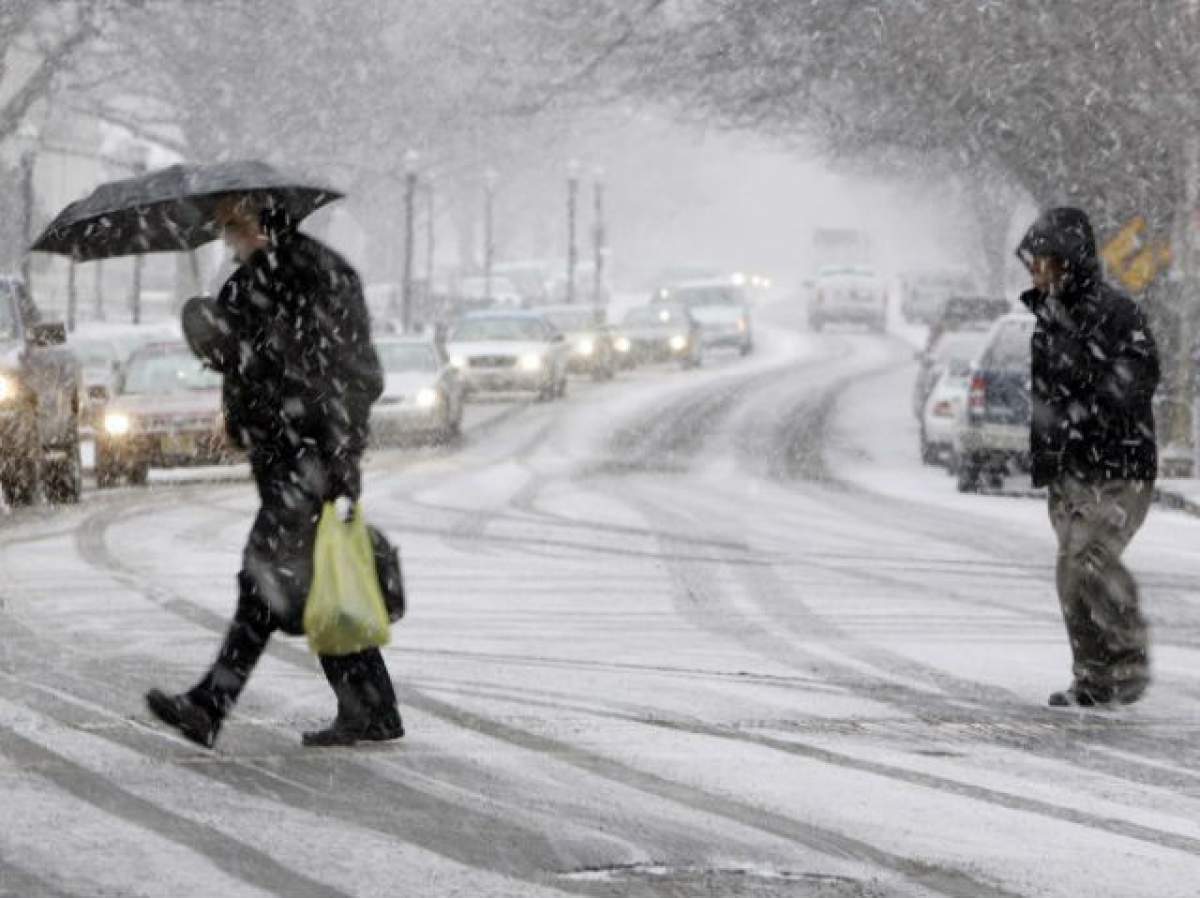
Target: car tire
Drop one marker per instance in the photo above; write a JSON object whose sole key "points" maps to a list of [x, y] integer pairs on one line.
{"points": [[19, 483], [969, 473], [64, 479], [929, 453], [745, 349], [139, 474]]}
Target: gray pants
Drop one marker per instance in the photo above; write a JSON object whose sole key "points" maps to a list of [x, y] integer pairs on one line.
{"points": [[1094, 523]]}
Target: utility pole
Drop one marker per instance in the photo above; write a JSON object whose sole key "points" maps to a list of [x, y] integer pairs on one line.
{"points": [[410, 196], [28, 160], [489, 232], [598, 246], [430, 234], [135, 289], [72, 297], [572, 216]]}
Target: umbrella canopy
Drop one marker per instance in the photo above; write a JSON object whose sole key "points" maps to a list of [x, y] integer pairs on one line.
{"points": [[171, 209]]}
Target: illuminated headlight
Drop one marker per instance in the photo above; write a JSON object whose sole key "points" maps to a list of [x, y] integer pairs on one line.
{"points": [[622, 344], [8, 388], [678, 343], [116, 424], [585, 347], [739, 279], [427, 397], [458, 361], [531, 362]]}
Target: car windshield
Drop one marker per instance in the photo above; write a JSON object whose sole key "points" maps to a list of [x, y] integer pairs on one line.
{"points": [[1010, 348], [8, 324], [94, 355], [571, 319], [652, 315], [481, 329], [399, 357], [165, 374], [694, 297], [959, 348]]}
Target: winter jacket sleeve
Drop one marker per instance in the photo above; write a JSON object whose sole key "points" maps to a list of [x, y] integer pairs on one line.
{"points": [[1131, 368]]}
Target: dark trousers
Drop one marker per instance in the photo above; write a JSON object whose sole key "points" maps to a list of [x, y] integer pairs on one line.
{"points": [[272, 588], [1109, 637]]}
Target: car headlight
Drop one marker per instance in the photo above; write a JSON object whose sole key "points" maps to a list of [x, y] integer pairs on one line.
{"points": [[585, 346], [531, 362], [678, 343], [8, 388], [458, 361], [622, 344], [117, 424], [427, 397]]}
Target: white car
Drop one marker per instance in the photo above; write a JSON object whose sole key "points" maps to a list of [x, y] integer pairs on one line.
{"points": [[422, 394], [500, 351], [850, 295], [944, 413], [720, 307]]}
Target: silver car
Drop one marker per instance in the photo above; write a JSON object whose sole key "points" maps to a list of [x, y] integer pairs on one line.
{"points": [[500, 351], [422, 394]]}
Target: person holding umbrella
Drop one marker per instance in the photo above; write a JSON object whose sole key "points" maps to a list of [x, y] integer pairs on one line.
{"points": [[291, 335]]}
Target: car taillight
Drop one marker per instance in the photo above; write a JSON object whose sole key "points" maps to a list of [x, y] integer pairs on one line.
{"points": [[977, 398], [943, 408]]}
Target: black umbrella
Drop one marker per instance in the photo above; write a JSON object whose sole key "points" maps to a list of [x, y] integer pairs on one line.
{"points": [[171, 209]]}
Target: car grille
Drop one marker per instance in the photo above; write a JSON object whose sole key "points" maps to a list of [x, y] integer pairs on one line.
{"points": [[493, 361]]}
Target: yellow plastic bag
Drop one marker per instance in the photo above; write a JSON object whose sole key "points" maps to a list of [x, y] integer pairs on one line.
{"points": [[344, 612]]}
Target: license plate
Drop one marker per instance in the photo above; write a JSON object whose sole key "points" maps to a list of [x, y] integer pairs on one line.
{"points": [[179, 444]]}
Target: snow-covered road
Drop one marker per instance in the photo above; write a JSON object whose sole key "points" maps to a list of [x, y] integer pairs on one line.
{"points": [[711, 633]]}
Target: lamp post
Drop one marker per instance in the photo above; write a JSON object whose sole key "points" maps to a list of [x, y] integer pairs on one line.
{"points": [[489, 233], [598, 244], [410, 195], [135, 288], [28, 139], [572, 216]]}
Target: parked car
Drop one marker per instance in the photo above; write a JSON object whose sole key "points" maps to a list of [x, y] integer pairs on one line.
{"points": [[40, 389], [952, 353], [849, 295], [502, 351], [422, 395], [661, 332], [993, 438], [944, 413], [720, 307], [166, 412], [923, 294], [589, 337], [963, 313]]}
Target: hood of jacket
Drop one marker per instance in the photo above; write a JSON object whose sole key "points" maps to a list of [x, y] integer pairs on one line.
{"points": [[1064, 233]]}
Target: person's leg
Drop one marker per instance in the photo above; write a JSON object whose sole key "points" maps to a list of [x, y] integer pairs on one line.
{"points": [[366, 700], [1109, 590]]}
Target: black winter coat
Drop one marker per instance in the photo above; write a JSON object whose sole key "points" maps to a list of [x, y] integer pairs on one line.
{"points": [[1094, 372], [306, 374]]}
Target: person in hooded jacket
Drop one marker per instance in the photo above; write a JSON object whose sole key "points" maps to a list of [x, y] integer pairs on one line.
{"points": [[1092, 444], [290, 332]]}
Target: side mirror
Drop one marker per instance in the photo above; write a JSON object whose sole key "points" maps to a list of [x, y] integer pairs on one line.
{"points": [[47, 333]]}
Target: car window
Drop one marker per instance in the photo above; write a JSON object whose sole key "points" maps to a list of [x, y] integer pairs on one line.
{"points": [[156, 375], [571, 319], [653, 315], [959, 347], [479, 329], [398, 357], [1010, 347], [8, 323], [700, 297]]}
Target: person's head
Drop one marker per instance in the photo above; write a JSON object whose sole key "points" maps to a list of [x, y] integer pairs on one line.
{"points": [[239, 219], [1059, 250]]}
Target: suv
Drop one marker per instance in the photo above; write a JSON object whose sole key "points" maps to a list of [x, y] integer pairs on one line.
{"points": [[994, 435], [852, 295], [40, 388], [720, 307]]}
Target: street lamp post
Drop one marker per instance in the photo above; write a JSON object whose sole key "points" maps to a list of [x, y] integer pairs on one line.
{"points": [[598, 245], [430, 234], [410, 194], [28, 160], [572, 216], [489, 233]]}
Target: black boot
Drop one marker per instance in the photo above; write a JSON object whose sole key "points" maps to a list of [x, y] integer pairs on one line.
{"points": [[366, 701], [190, 717]]}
